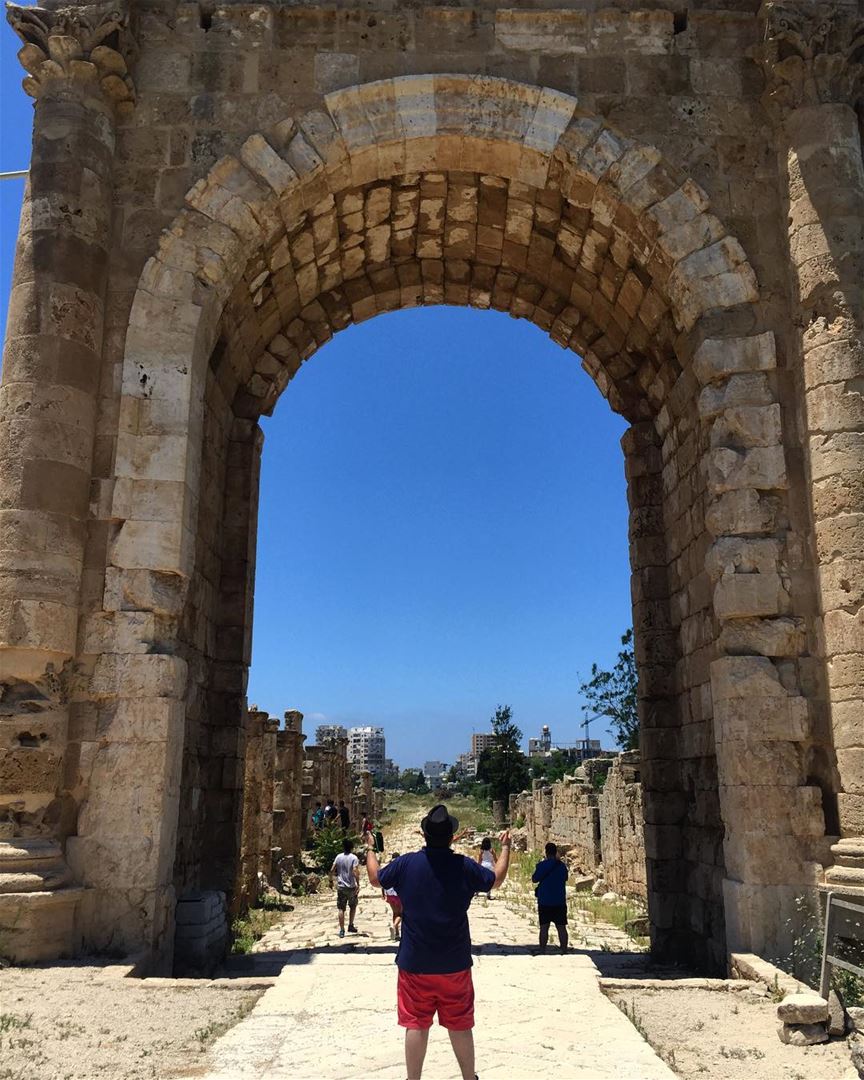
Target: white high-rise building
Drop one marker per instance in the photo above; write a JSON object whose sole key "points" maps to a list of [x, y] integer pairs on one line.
{"points": [[366, 749], [434, 772], [326, 733]]}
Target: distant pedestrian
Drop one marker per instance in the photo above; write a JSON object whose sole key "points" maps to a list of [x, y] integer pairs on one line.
{"points": [[318, 816], [391, 897], [550, 876], [344, 816], [436, 887], [330, 812], [486, 858], [346, 869]]}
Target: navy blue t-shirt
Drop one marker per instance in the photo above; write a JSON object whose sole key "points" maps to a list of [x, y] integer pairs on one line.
{"points": [[551, 875], [436, 887]]}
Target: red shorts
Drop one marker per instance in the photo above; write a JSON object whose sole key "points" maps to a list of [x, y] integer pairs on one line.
{"points": [[395, 903], [419, 997]]}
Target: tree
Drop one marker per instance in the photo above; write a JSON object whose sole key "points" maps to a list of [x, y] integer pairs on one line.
{"points": [[503, 766], [413, 780], [552, 768], [613, 694]]}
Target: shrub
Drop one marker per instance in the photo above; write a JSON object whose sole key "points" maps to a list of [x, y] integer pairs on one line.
{"points": [[327, 844]]}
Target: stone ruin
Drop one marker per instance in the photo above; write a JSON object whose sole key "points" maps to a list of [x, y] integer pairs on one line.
{"points": [[282, 781], [673, 191], [600, 832]]}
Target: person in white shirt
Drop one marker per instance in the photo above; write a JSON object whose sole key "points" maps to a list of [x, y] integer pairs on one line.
{"points": [[487, 858], [346, 870]]}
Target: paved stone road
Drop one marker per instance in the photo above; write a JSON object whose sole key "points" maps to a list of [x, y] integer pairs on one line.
{"points": [[332, 1013]]}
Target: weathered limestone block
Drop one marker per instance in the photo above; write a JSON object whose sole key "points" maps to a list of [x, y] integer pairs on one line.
{"points": [[803, 1034], [802, 1009]]}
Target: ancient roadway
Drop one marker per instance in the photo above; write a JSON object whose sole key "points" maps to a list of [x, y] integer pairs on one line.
{"points": [[331, 1013]]}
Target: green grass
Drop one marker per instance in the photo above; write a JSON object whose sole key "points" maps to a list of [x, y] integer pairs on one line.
{"points": [[614, 912], [212, 1031], [472, 813], [11, 1022], [251, 927]]}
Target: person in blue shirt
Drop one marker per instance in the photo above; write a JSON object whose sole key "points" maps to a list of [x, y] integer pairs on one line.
{"points": [[436, 887], [550, 876]]}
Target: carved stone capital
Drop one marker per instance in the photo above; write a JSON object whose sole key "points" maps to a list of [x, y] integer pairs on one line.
{"points": [[86, 48], [811, 54]]}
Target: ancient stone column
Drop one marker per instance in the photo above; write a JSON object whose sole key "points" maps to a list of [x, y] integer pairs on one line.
{"points": [[811, 60], [75, 59], [288, 788], [366, 791]]}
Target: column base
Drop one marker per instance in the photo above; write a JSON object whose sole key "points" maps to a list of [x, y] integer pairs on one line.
{"points": [[847, 873], [38, 903]]}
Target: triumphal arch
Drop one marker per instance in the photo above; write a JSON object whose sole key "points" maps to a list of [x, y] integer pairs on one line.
{"points": [[672, 189]]}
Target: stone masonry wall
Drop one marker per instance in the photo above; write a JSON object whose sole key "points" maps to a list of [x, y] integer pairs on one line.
{"points": [[217, 190], [622, 837], [593, 829]]}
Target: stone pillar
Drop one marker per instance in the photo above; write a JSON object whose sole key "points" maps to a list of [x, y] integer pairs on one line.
{"points": [[288, 788], [366, 792], [75, 59], [345, 786], [257, 827], [814, 81]]}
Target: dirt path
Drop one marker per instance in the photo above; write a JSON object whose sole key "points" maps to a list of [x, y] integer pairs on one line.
{"points": [[331, 1013]]}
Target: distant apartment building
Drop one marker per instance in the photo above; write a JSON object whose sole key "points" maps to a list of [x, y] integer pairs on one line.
{"points": [[575, 752], [391, 772], [467, 765], [589, 748], [435, 772], [543, 745], [366, 749], [326, 733], [481, 741]]}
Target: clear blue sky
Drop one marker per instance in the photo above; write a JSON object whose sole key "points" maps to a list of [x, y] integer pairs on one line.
{"points": [[443, 520]]}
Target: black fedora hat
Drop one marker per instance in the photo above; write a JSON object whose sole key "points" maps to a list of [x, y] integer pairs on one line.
{"points": [[438, 824]]}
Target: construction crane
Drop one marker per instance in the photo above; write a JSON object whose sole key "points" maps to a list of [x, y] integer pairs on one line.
{"points": [[586, 723]]}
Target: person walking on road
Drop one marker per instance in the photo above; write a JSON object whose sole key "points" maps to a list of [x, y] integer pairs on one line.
{"points": [[391, 898], [487, 858], [436, 886], [346, 869], [550, 876], [344, 816]]}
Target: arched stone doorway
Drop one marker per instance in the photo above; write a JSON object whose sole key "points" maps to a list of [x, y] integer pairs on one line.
{"points": [[475, 191], [459, 189]]}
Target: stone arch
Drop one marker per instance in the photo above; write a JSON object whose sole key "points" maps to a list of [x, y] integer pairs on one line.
{"points": [[482, 191]]}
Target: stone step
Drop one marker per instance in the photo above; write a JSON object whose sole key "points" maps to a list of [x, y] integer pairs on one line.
{"points": [[32, 864], [39, 926]]}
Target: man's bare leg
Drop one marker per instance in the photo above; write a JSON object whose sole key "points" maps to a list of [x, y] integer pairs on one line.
{"points": [[416, 1041], [341, 918], [463, 1047], [563, 936], [544, 936]]}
